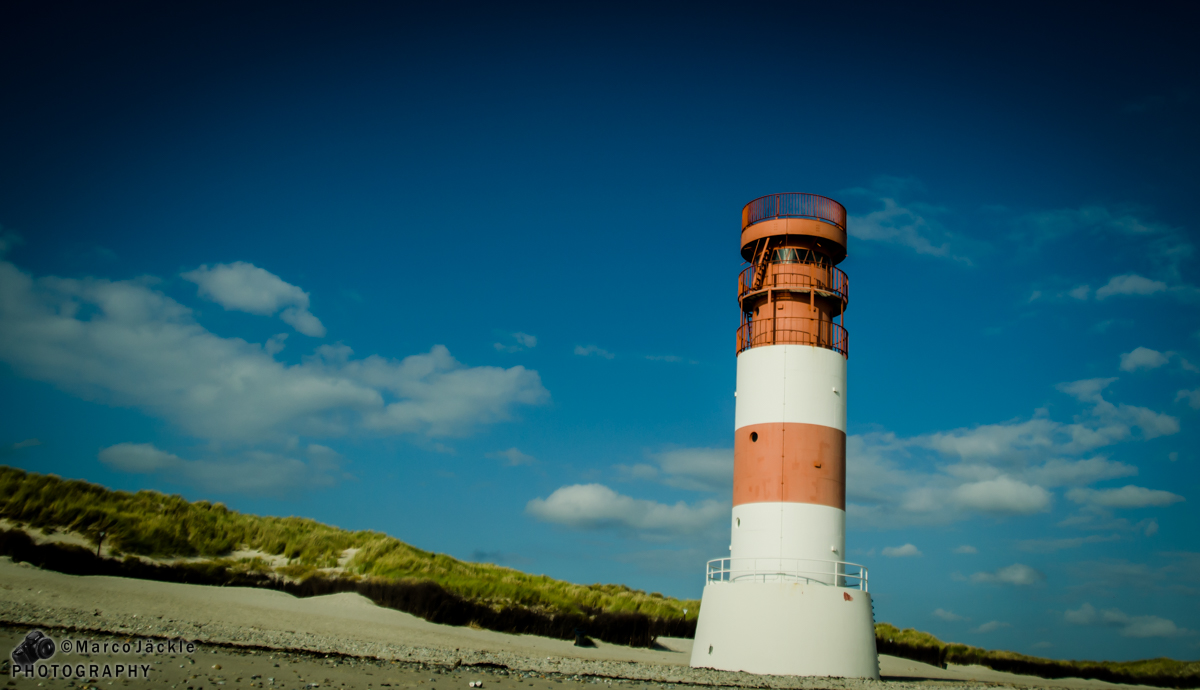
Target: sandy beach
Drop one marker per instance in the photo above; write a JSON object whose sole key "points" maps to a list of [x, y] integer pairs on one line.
{"points": [[345, 640]]}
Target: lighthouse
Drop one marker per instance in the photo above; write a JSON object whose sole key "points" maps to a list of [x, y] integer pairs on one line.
{"points": [[785, 601]]}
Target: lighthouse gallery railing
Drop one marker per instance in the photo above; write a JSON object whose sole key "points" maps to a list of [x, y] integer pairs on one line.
{"points": [[796, 275], [793, 330], [839, 573], [793, 205]]}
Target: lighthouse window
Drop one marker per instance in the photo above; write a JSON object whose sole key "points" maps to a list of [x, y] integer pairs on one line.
{"points": [[786, 255], [753, 436]]}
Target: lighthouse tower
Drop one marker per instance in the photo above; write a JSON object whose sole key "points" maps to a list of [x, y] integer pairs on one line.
{"points": [[785, 601]]}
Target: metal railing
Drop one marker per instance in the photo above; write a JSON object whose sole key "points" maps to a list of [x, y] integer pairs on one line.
{"points": [[783, 275], [793, 205], [833, 573], [793, 330]]}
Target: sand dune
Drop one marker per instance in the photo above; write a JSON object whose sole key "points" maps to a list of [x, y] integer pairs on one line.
{"points": [[351, 624]]}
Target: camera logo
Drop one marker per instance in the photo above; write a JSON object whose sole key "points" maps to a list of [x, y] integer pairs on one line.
{"points": [[34, 647]]}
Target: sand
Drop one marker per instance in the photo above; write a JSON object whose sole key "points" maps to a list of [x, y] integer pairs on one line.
{"points": [[239, 629]]}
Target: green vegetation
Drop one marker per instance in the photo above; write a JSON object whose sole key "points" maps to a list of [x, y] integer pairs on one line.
{"points": [[151, 524], [154, 525], [921, 646]]}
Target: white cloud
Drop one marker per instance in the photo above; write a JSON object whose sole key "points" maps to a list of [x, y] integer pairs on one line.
{"points": [[1145, 358], [8, 240], [521, 341], [1086, 390], [1148, 626], [1003, 495], [1130, 284], [595, 506], [1056, 223], [514, 457], [873, 467], [1111, 423], [1151, 424], [1142, 358], [1086, 615], [885, 488], [1130, 626], [694, 469], [252, 472], [901, 551], [898, 225], [125, 343], [590, 350], [966, 549], [1124, 497], [1192, 397], [1059, 472], [1099, 518], [949, 616], [1105, 325], [640, 471], [991, 626], [140, 458], [1054, 545], [303, 321], [990, 441], [275, 344], [242, 286], [1172, 571], [912, 224], [434, 392], [1102, 424], [1080, 292], [1164, 247], [19, 445], [1016, 574], [1004, 468]]}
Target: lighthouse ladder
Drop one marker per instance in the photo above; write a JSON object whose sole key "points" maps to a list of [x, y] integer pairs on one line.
{"points": [[760, 266]]}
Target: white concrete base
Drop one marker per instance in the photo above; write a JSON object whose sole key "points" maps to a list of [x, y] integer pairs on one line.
{"points": [[786, 629]]}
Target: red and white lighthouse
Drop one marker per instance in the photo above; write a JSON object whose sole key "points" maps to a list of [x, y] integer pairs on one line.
{"points": [[785, 601]]}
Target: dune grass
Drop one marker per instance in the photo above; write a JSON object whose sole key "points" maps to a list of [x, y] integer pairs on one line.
{"points": [[152, 524], [155, 525], [921, 646]]}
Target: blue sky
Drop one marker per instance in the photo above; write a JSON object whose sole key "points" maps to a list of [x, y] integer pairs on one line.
{"points": [[467, 275]]}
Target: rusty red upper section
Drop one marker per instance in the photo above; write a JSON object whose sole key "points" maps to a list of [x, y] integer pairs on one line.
{"points": [[792, 292], [811, 219]]}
